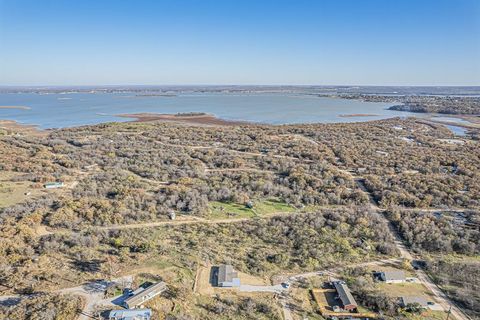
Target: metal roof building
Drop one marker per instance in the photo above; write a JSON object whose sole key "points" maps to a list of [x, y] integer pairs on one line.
{"points": [[227, 276], [133, 314], [141, 296], [345, 295]]}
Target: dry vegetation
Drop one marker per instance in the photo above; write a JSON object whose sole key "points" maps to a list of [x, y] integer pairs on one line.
{"points": [[139, 172], [460, 278], [425, 104]]}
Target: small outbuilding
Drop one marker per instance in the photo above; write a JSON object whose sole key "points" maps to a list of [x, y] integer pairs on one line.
{"points": [[132, 314], [142, 295], [345, 296], [53, 185], [227, 277]]}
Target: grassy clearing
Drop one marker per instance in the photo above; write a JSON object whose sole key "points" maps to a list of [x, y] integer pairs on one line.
{"points": [[428, 314], [12, 192], [404, 289], [223, 210]]}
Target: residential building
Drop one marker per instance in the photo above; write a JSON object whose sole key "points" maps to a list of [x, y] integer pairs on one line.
{"points": [[132, 314], [227, 276], [345, 296], [142, 295]]}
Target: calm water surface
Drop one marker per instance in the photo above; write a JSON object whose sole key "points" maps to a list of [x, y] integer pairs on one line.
{"points": [[66, 110]]}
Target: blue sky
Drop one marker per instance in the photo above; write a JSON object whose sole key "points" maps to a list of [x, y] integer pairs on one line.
{"points": [[368, 42]]}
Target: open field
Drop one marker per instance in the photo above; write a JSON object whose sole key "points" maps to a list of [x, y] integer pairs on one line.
{"points": [[222, 210], [405, 289], [13, 192]]}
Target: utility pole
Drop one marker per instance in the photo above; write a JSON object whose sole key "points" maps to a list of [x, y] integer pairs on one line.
{"points": [[449, 311]]}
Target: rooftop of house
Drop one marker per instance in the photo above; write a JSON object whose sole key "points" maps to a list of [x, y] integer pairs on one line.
{"points": [[149, 292], [226, 273], [344, 293], [130, 314]]}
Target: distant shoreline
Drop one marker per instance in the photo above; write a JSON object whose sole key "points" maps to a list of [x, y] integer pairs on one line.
{"points": [[15, 107], [194, 118], [353, 115], [12, 125]]}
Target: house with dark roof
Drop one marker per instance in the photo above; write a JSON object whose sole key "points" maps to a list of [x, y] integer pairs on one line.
{"points": [[345, 296], [226, 276], [131, 314], [392, 276], [142, 295]]}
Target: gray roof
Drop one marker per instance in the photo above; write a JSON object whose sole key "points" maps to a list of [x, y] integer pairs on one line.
{"points": [[132, 314], [414, 299], [226, 273], [146, 294], [344, 293], [394, 275]]}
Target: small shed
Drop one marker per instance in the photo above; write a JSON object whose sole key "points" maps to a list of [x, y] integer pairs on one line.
{"points": [[141, 296], [227, 276], [133, 314], [393, 276], [53, 185]]}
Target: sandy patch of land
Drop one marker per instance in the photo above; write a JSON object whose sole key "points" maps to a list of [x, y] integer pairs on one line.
{"points": [[14, 127], [202, 281], [41, 230], [15, 107], [199, 119]]}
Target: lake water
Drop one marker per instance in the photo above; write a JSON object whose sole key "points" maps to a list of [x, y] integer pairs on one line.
{"points": [[456, 130], [73, 109]]}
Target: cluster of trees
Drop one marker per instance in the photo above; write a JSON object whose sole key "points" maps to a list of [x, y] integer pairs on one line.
{"points": [[293, 242], [439, 232], [461, 280], [365, 292], [135, 172], [145, 173], [406, 162], [43, 307], [145, 170], [424, 103], [241, 308]]}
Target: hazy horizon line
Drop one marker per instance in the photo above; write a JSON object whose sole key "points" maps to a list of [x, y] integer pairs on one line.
{"points": [[237, 85]]}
